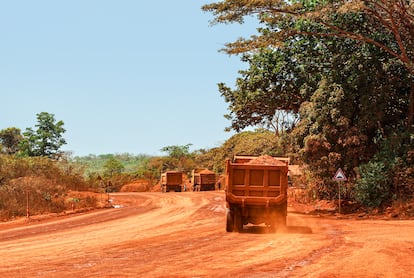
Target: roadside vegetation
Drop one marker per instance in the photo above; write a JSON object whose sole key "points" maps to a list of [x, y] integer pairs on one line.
{"points": [[329, 84], [336, 78]]}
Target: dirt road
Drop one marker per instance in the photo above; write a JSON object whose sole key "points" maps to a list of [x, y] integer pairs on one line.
{"points": [[183, 235]]}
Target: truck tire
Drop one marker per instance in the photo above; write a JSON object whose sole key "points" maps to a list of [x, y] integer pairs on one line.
{"points": [[238, 221], [229, 222]]}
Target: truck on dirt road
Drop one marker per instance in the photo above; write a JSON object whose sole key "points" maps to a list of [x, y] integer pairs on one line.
{"points": [[203, 180], [256, 192], [171, 181]]}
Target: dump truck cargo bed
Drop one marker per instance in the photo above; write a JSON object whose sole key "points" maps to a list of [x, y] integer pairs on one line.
{"points": [[256, 192], [204, 180], [171, 181]]}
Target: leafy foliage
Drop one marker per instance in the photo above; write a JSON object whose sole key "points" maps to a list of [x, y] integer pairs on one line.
{"points": [[390, 17], [177, 151], [95, 163], [10, 139], [179, 158], [113, 166], [386, 25], [389, 174], [150, 169], [351, 94], [372, 188], [266, 94], [46, 140]]}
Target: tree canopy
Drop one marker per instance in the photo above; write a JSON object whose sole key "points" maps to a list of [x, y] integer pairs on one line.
{"points": [[176, 151], [46, 140], [113, 166], [385, 24], [10, 139]]}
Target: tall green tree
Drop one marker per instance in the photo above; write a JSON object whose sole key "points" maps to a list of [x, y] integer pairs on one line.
{"points": [[179, 158], [388, 25], [113, 166], [10, 139], [347, 95], [46, 140], [267, 93], [150, 168], [176, 151]]}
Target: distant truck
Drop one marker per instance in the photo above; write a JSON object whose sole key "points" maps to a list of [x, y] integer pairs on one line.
{"points": [[256, 192], [203, 180], [171, 181]]}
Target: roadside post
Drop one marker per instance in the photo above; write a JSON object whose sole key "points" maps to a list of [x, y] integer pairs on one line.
{"points": [[27, 202], [339, 177]]}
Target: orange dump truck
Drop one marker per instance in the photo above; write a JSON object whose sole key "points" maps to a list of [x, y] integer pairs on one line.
{"points": [[171, 181], [256, 191], [203, 180]]}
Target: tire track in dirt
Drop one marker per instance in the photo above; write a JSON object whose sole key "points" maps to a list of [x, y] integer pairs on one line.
{"points": [[35, 226], [334, 236]]}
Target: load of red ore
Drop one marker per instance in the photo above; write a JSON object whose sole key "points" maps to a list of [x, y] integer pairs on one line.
{"points": [[266, 160]]}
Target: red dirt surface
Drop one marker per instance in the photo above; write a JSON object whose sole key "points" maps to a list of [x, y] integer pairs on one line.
{"points": [[183, 235], [136, 186]]}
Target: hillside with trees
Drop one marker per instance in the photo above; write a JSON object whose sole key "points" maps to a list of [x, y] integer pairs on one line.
{"points": [[342, 74], [35, 176]]}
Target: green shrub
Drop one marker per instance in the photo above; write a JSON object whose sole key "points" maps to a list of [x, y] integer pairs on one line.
{"points": [[372, 188], [403, 177]]}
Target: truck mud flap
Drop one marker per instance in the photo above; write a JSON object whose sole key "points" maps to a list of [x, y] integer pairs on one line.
{"points": [[238, 220]]}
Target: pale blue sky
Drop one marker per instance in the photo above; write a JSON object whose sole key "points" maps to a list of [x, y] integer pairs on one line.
{"points": [[124, 76]]}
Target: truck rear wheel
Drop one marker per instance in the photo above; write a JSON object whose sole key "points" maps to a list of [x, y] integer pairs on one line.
{"points": [[229, 222]]}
